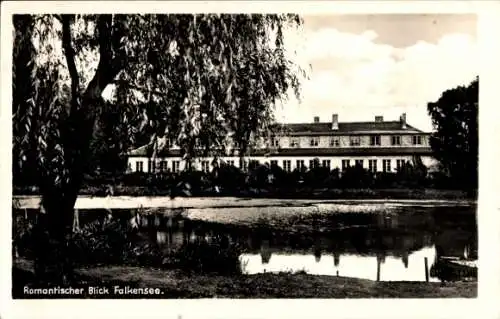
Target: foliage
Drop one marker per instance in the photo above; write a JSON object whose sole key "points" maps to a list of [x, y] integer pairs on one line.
{"points": [[317, 176], [455, 141], [281, 179], [356, 177], [109, 142], [229, 177], [259, 176], [216, 257], [205, 79], [412, 175]]}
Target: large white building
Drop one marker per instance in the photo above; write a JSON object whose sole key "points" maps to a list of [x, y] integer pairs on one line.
{"points": [[379, 146]]}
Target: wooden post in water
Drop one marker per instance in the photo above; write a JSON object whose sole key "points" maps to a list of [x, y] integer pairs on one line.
{"points": [[76, 220], [426, 270], [378, 269]]}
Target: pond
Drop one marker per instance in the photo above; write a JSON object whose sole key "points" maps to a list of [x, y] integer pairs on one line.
{"points": [[396, 243]]}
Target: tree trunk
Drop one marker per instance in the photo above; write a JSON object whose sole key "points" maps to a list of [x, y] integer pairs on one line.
{"points": [[52, 258], [59, 201]]}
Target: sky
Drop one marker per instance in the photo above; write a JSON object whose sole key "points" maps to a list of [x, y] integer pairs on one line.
{"points": [[360, 66]]}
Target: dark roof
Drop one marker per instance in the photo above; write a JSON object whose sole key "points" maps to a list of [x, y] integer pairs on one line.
{"points": [[392, 127], [147, 151], [344, 128]]}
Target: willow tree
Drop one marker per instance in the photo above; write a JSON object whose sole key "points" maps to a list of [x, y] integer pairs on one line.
{"points": [[192, 78]]}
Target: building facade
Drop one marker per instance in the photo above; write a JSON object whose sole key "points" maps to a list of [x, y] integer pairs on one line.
{"points": [[378, 146]]}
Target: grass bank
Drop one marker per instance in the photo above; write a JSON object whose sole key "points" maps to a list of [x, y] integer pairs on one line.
{"points": [[177, 284]]}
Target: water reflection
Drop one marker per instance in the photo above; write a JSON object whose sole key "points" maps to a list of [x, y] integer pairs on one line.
{"points": [[377, 247], [382, 246], [379, 267]]}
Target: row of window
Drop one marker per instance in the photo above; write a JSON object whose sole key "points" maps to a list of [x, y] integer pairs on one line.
{"points": [[286, 165], [335, 141], [353, 141], [372, 164], [163, 166]]}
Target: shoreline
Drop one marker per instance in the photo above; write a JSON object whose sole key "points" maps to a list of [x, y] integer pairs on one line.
{"points": [[135, 202]]}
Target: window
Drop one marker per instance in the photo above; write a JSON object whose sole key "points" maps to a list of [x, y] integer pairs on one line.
{"points": [[335, 141], [274, 163], [396, 140], [346, 164], [163, 166], [287, 165], [300, 164], [399, 164], [275, 142], [205, 166], [175, 166], [372, 166], [355, 141], [243, 165], [326, 163], [359, 163], [151, 166], [375, 140], [314, 141], [139, 166], [313, 163], [230, 163], [253, 164], [294, 142], [417, 140], [386, 165]]}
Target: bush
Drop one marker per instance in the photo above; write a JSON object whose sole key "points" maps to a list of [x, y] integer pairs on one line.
{"points": [[298, 176], [317, 177], [356, 177], [135, 179], [113, 242], [412, 175], [259, 176], [385, 180], [333, 179], [195, 181], [282, 180], [229, 177], [216, 258]]}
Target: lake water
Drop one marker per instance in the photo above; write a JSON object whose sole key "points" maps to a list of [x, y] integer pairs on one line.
{"points": [[387, 244]]}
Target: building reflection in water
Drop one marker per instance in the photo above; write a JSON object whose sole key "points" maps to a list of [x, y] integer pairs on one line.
{"points": [[371, 247], [265, 252], [336, 258], [373, 267], [405, 259], [317, 249]]}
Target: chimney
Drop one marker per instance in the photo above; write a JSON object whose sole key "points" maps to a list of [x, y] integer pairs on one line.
{"points": [[335, 122], [316, 119], [379, 119], [402, 119]]}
